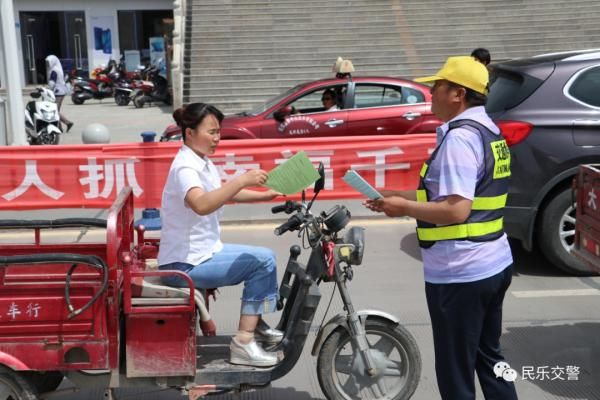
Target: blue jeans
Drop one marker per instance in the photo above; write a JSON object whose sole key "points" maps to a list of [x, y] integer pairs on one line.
{"points": [[235, 263]]}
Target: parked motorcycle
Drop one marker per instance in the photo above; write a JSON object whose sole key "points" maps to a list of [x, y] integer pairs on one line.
{"points": [[172, 133], [42, 119], [154, 89], [100, 87], [129, 83], [125, 91]]}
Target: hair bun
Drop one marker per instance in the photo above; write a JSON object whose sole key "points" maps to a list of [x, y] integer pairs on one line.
{"points": [[178, 116]]}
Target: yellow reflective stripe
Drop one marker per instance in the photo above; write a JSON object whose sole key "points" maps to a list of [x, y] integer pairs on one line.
{"points": [[461, 231], [489, 203], [423, 170], [421, 195]]}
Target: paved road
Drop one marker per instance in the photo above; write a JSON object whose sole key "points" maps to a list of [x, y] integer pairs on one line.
{"points": [[551, 320]]}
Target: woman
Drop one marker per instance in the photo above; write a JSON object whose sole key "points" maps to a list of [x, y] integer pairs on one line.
{"points": [[190, 242], [56, 82]]}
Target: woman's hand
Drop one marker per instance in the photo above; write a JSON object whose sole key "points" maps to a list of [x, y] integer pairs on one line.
{"points": [[255, 177], [271, 194]]}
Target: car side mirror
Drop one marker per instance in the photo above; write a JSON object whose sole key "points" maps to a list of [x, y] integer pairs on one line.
{"points": [[320, 183], [281, 114]]}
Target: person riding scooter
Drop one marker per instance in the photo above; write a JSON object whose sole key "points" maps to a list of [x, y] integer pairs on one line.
{"points": [[190, 237]]}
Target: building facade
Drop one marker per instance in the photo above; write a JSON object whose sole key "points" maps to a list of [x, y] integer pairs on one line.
{"points": [[85, 34]]}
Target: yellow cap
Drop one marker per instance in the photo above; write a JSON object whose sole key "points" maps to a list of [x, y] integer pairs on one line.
{"points": [[464, 71]]}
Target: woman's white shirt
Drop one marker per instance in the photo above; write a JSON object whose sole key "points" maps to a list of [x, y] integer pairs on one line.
{"points": [[186, 236]]}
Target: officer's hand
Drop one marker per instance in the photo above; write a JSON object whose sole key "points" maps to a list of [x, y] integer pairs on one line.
{"points": [[394, 206], [390, 206], [374, 205], [386, 193]]}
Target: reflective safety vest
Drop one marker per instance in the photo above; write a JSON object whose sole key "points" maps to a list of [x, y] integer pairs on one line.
{"points": [[485, 222]]}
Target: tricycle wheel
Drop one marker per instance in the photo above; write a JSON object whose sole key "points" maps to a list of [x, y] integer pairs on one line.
{"points": [[341, 370], [14, 386]]}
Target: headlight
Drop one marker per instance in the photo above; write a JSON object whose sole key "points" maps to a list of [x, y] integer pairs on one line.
{"points": [[337, 218], [353, 254], [49, 115]]}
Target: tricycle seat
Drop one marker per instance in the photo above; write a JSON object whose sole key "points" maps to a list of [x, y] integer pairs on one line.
{"points": [[153, 292]]}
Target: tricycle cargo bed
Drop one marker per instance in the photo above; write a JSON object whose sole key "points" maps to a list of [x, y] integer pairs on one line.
{"points": [[587, 229], [56, 293]]}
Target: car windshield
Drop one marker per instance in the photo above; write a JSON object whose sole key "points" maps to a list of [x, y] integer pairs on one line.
{"points": [[271, 102]]}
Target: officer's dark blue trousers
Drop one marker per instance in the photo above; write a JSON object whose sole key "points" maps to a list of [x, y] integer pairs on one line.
{"points": [[467, 323]]}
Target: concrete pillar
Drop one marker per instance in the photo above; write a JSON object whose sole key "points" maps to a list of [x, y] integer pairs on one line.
{"points": [[15, 120], [177, 67]]}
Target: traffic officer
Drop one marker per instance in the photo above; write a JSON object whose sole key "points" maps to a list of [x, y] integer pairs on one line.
{"points": [[459, 211]]}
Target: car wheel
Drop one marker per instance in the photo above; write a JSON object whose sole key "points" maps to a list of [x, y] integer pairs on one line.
{"points": [[557, 234]]}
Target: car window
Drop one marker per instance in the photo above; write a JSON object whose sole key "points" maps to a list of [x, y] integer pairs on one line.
{"points": [[370, 95], [412, 96], [586, 88], [271, 102], [311, 102], [508, 89]]}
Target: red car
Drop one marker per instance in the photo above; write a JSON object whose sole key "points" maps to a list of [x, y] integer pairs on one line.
{"points": [[362, 106]]}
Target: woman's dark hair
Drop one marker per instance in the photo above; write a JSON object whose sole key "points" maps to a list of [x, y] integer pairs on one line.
{"points": [[482, 55], [191, 115]]}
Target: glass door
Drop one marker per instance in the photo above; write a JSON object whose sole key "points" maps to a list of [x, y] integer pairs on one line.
{"points": [[76, 42], [29, 21]]}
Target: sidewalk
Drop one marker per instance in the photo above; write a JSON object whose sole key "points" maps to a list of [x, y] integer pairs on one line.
{"points": [[124, 123]]}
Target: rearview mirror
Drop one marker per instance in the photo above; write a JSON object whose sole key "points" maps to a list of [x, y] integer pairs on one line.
{"points": [[320, 183], [281, 114]]}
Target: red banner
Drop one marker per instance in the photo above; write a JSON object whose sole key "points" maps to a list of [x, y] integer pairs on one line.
{"points": [[92, 175]]}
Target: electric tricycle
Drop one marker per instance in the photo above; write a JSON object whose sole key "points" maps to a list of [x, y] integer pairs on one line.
{"points": [[99, 315], [586, 193]]}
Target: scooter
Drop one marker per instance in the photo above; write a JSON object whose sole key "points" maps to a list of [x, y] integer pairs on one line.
{"points": [[129, 83], [172, 133], [360, 354], [42, 119], [154, 90], [124, 91]]}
